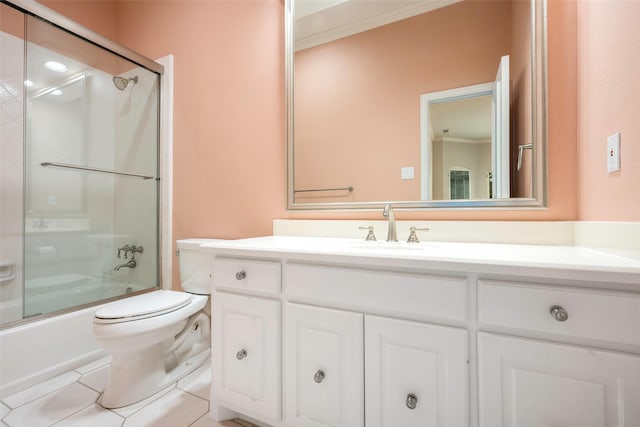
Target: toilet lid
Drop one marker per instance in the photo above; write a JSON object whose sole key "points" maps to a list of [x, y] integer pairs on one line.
{"points": [[142, 306]]}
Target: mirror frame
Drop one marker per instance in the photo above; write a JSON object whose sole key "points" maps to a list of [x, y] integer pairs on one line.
{"points": [[539, 131]]}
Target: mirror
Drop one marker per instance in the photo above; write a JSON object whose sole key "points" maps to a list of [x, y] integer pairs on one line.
{"points": [[422, 103]]}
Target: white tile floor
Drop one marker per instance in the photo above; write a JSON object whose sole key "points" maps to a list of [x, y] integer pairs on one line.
{"points": [[71, 400]]}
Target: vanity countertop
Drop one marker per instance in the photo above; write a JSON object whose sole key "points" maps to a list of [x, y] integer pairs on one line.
{"points": [[556, 262]]}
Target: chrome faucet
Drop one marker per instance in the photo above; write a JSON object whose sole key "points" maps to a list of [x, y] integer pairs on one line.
{"points": [[392, 232], [129, 264]]}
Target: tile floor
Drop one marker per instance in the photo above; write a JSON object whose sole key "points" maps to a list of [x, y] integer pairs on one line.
{"points": [[71, 400]]}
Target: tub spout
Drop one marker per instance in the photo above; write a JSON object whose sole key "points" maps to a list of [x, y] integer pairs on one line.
{"points": [[130, 264]]}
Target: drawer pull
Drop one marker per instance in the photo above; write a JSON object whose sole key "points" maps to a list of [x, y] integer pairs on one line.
{"points": [[559, 313], [241, 275], [241, 354], [412, 401], [319, 376]]}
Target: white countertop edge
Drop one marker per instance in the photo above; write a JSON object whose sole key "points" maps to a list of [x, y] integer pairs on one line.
{"points": [[554, 262]]}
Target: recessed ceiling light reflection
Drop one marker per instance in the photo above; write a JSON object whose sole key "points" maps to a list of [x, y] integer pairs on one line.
{"points": [[28, 83], [56, 92], [55, 66]]}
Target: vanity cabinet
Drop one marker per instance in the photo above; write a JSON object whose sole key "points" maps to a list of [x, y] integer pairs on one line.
{"points": [[307, 338]]}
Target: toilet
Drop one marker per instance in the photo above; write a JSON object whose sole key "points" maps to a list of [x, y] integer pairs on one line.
{"points": [[158, 337]]}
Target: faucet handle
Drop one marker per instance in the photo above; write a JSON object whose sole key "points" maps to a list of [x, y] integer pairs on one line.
{"points": [[125, 248], [413, 236], [370, 235]]}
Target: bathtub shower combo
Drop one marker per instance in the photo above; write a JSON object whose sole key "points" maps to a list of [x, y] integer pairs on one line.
{"points": [[79, 174]]}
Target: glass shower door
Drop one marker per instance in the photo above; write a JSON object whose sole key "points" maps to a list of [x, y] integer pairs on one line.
{"points": [[91, 173]]}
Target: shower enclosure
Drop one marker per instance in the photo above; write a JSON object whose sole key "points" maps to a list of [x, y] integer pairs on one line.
{"points": [[79, 170]]}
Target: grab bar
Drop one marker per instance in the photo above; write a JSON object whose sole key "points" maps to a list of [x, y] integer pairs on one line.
{"points": [[349, 189], [86, 168], [522, 147]]}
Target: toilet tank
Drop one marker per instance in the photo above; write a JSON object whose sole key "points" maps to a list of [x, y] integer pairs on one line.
{"points": [[195, 266]]}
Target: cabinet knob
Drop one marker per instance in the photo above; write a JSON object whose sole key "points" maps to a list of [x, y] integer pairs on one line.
{"points": [[559, 313], [241, 275], [241, 354], [412, 401], [319, 376]]}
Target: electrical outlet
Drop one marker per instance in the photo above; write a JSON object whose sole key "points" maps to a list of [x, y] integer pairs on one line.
{"points": [[406, 172], [613, 153]]}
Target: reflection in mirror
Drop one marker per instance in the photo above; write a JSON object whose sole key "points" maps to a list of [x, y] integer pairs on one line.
{"points": [[458, 130], [380, 95]]}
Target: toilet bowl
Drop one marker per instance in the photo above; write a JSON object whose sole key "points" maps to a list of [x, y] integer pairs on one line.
{"points": [[158, 337]]}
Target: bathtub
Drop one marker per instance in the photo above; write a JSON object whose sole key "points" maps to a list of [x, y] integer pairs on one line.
{"points": [[59, 292], [43, 349]]}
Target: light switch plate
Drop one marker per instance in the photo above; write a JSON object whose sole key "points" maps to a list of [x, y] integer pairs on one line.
{"points": [[407, 172], [613, 153]]}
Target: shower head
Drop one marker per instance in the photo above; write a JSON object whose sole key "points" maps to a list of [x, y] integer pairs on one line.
{"points": [[122, 82]]}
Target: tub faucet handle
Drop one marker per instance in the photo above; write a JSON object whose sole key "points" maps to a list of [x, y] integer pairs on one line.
{"points": [[124, 249]]}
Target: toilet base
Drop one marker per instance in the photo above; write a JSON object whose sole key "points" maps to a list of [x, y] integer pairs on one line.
{"points": [[117, 397], [134, 376]]}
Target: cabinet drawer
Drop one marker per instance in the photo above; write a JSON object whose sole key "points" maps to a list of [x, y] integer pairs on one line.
{"points": [[592, 314], [398, 294], [247, 274]]}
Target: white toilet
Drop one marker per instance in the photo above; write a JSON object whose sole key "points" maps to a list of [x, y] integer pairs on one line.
{"points": [[158, 337]]}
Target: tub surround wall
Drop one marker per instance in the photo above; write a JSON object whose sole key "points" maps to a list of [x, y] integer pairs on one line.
{"points": [[11, 162]]}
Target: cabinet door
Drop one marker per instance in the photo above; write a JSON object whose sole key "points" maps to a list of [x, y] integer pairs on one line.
{"points": [[323, 367], [533, 383], [416, 374], [246, 354]]}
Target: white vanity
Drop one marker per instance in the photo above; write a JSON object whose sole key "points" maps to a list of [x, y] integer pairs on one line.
{"points": [[343, 332]]}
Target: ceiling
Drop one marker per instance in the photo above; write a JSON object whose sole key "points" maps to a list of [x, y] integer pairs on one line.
{"points": [[468, 119], [321, 21]]}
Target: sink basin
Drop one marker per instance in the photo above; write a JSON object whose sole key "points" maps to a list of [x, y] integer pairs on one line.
{"points": [[392, 246]]}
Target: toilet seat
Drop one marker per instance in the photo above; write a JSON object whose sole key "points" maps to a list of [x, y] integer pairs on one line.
{"points": [[142, 306]]}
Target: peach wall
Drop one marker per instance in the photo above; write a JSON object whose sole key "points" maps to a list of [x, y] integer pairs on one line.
{"points": [[608, 100], [98, 16], [357, 99], [11, 21], [229, 157]]}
